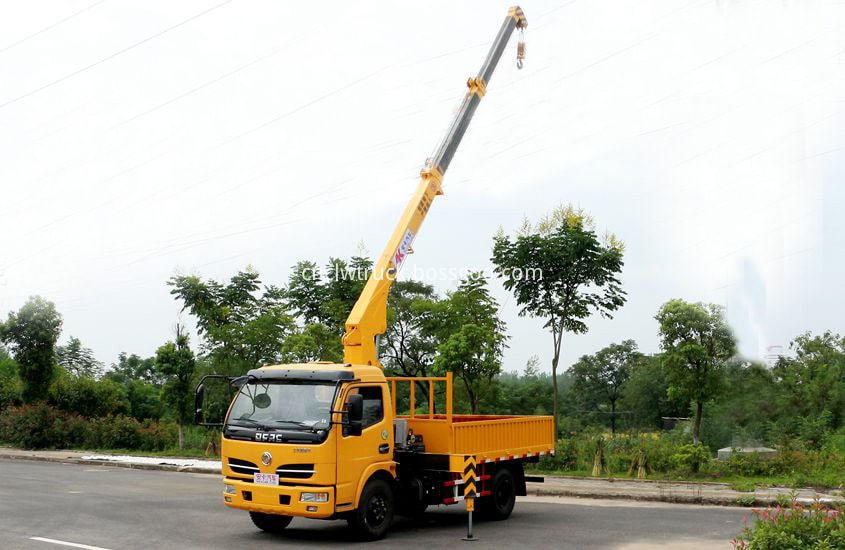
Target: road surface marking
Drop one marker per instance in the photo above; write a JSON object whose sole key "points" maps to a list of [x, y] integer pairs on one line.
{"points": [[71, 544]]}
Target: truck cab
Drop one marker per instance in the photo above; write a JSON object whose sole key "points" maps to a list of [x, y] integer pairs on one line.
{"points": [[286, 428]]}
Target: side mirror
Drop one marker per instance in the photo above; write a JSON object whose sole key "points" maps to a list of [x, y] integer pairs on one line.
{"points": [[199, 396], [355, 413]]}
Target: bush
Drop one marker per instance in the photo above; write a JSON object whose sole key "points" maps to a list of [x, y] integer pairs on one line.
{"points": [[29, 426], [88, 397], [39, 426], [690, 458], [10, 384], [799, 528]]}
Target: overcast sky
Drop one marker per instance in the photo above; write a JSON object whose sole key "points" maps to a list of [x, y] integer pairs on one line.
{"points": [[144, 139]]}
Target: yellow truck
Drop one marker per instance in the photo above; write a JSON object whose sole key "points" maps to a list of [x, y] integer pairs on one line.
{"points": [[325, 440]]}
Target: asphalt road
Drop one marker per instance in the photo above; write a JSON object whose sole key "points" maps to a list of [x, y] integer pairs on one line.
{"points": [[117, 508]]}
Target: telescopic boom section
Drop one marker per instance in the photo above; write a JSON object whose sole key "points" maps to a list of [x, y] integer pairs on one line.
{"points": [[368, 319]]}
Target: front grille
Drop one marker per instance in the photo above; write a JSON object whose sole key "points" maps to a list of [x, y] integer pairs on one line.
{"points": [[242, 466], [295, 471]]}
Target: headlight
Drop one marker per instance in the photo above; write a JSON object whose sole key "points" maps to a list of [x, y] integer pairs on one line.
{"points": [[229, 489], [313, 497]]}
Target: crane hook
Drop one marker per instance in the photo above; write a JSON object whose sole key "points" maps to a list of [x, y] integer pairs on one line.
{"points": [[520, 49]]}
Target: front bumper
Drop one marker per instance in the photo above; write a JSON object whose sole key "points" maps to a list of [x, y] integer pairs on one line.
{"points": [[282, 499]]}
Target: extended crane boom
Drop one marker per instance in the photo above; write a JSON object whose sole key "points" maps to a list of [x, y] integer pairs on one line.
{"points": [[368, 318]]}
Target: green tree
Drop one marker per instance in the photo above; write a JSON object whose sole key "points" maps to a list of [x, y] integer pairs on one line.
{"points": [[32, 333], [86, 396], [599, 379], [471, 335], [134, 368], [527, 393], [10, 382], [813, 379], [176, 363], [305, 293], [241, 327], [77, 359], [696, 343], [560, 271], [407, 349], [314, 342], [646, 394]]}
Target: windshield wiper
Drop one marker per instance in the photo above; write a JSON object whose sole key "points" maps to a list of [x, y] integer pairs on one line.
{"points": [[249, 421], [297, 423]]}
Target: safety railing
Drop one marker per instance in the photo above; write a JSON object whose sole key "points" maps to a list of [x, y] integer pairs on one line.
{"points": [[430, 380]]}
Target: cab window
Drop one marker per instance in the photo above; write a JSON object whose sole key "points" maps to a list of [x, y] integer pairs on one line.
{"points": [[373, 404]]}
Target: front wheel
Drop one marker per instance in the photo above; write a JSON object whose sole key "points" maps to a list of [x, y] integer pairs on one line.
{"points": [[499, 504], [270, 523], [375, 511]]}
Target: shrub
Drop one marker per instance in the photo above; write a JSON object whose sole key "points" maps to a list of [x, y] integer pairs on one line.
{"points": [[690, 458], [799, 528], [10, 391], [29, 426], [88, 397], [39, 426]]}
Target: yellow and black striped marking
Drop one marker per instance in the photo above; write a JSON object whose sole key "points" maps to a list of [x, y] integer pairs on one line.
{"points": [[469, 476]]}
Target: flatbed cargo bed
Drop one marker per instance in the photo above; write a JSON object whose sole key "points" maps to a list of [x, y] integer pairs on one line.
{"points": [[489, 438]]}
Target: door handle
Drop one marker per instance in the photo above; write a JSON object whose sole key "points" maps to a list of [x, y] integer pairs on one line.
{"points": [[384, 448]]}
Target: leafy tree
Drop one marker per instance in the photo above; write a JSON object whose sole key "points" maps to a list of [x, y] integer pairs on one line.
{"points": [[144, 400], [32, 333], [743, 412], [314, 342], [305, 293], [78, 360], [560, 271], [646, 394], [696, 343], [133, 367], [813, 379], [407, 349], [10, 383], [327, 301], [529, 392], [600, 378], [241, 328], [176, 363], [86, 396], [471, 335]]}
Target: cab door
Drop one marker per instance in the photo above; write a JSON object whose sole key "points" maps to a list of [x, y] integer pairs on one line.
{"points": [[356, 453]]}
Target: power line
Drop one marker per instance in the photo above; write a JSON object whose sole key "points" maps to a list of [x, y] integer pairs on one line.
{"points": [[113, 55], [48, 27]]}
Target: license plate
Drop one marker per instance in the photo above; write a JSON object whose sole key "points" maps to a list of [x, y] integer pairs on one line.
{"points": [[266, 479]]}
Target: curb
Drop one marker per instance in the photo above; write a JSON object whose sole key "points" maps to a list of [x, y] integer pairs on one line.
{"points": [[130, 465], [533, 489]]}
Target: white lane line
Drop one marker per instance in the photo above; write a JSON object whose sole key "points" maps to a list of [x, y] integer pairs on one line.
{"points": [[71, 544]]}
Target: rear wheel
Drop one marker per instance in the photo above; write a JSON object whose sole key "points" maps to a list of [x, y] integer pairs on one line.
{"points": [[375, 510], [499, 504], [270, 523]]}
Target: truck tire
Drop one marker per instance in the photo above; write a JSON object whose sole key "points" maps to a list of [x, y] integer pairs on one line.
{"points": [[374, 514], [270, 523], [499, 504]]}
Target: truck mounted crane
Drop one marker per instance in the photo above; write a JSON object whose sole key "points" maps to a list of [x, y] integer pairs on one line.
{"points": [[327, 440]]}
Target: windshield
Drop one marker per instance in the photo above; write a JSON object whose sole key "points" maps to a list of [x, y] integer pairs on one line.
{"points": [[283, 405]]}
